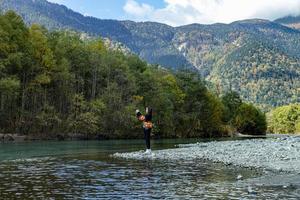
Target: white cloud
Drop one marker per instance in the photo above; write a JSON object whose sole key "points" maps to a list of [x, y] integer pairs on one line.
{"points": [[138, 10], [180, 12]]}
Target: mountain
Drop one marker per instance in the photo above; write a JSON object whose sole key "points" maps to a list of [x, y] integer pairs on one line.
{"points": [[290, 21], [151, 41], [258, 58]]}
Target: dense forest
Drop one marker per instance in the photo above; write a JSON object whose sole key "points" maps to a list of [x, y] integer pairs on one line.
{"points": [[56, 84]]}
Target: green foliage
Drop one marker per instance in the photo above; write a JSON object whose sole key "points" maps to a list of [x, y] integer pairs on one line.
{"points": [[232, 102], [249, 120], [47, 120], [55, 83], [297, 127], [9, 86], [81, 120], [201, 112], [285, 119]]}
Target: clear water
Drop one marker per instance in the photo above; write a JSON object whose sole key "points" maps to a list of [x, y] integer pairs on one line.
{"points": [[86, 170]]}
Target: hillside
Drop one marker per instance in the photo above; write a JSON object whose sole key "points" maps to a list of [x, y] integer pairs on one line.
{"points": [[151, 41], [258, 58], [248, 57], [290, 21]]}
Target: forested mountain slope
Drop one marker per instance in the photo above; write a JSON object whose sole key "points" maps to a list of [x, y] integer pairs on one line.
{"points": [[258, 58]]}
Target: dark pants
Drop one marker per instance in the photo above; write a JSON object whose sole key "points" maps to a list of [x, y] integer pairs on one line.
{"points": [[147, 133]]}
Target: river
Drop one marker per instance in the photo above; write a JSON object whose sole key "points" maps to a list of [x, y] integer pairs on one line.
{"points": [[90, 170]]}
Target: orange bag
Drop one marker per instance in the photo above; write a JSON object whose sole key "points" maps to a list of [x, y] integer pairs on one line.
{"points": [[148, 125]]}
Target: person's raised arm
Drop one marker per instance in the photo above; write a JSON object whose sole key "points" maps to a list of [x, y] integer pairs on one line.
{"points": [[149, 114]]}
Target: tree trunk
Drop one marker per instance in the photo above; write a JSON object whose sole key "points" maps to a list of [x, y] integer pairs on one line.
{"points": [[94, 83]]}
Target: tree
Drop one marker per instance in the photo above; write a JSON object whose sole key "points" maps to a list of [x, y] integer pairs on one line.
{"points": [[249, 120], [82, 120], [231, 101], [9, 90], [48, 121], [118, 118], [285, 119], [200, 114]]}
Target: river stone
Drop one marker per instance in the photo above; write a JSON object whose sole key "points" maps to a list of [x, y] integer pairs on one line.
{"points": [[239, 177], [8, 138]]}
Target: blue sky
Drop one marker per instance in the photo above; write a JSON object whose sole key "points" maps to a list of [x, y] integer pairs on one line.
{"points": [[181, 12], [105, 9]]}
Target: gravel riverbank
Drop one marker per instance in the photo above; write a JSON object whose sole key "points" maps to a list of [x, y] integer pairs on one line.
{"points": [[274, 154]]}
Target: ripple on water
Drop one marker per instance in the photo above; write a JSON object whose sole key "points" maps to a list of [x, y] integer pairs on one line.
{"points": [[180, 177]]}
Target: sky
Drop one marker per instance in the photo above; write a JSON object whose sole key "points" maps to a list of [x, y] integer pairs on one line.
{"points": [[182, 12]]}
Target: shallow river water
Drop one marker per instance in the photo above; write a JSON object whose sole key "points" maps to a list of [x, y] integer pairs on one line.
{"points": [[89, 170]]}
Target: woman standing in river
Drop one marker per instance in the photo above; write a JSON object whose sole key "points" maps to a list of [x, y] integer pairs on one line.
{"points": [[147, 126]]}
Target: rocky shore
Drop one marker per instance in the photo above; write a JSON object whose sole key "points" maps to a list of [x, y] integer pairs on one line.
{"points": [[274, 154], [22, 138], [12, 138]]}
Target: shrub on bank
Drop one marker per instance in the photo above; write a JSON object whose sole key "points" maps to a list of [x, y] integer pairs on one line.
{"points": [[250, 120], [285, 119]]}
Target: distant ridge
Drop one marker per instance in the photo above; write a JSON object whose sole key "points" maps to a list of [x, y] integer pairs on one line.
{"points": [[290, 21]]}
